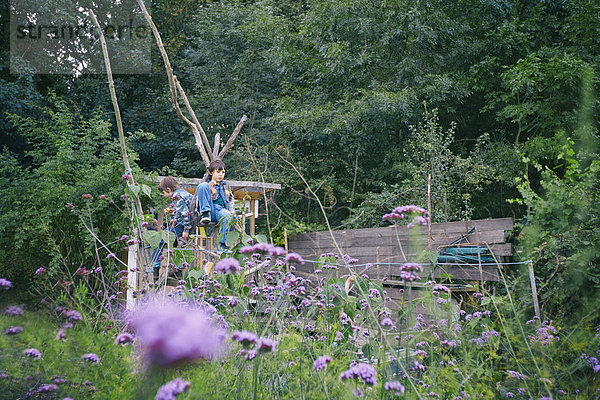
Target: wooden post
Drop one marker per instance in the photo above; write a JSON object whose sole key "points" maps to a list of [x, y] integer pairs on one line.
{"points": [[132, 276], [536, 305], [252, 218]]}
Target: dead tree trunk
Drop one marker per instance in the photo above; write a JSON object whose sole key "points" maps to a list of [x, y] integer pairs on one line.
{"points": [[202, 144]]}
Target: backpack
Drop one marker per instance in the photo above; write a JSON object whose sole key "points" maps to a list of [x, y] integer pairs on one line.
{"points": [[194, 214]]}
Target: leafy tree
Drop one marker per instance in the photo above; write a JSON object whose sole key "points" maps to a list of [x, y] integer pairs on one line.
{"points": [[69, 156]]}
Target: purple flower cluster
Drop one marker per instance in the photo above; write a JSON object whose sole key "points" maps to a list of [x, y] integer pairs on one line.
{"points": [[13, 311], [13, 330], [124, 338], [593, 362], [5, 284], [394, 386], [73, 315], [33, 353], [516, 375], [171, 389], [46, 388], [266, 248], [246, 338], [266, 345], [91, 357], [40, 271], [544, 335], [170, 333], [227, 266], [294, 257], [321, 363], [363, 372], [410, 272], [419, 215]]}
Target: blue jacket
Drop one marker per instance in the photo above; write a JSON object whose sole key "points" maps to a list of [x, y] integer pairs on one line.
{"points": [[181, 206]]}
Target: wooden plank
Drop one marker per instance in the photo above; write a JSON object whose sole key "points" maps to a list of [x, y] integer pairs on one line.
{"points": [[377, 238], [497, 224], [367, 252], [468, 272]]}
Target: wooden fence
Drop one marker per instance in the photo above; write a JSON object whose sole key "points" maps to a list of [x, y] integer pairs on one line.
{"points": [[398, 244]]}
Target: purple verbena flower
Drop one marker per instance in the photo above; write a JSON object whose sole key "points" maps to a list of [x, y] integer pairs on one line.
{"points": [[394, 386], [386, 322], [294, 257], [246, 338], [47, 388], [40, 271], [363, 372], [171, 333], [227, 266], [5, 284], [170, 390], [73, 315], [13, 311], [321, 363], [13, 330], [91, 357], [33, 353], [266, 345], [124, 338], [410, 272], [266, 248]]}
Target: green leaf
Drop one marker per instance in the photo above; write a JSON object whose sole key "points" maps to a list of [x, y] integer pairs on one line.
{"points": [[147, 190], [168, 237], [153, 238], [195, 274], [232, 238], [135, 189], [261, 238]]}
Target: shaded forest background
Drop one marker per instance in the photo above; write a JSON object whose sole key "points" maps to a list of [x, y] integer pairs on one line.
{"points": [[365, 98]]}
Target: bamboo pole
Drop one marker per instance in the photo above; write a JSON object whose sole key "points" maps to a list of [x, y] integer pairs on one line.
{"points": [[133, 250]]}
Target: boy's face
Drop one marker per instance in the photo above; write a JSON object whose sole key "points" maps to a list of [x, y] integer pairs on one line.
{"points": [[218, 175], [167, 193]]}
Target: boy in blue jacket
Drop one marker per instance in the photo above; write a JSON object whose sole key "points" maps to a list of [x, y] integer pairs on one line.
{"points": [[216, 201]]}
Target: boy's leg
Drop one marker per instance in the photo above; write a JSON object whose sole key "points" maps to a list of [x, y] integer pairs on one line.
{"points": [[226, 216], [205, 201], [156, 253]]}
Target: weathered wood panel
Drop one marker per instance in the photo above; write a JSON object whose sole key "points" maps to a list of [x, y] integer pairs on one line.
{"points": [[391, 242]]}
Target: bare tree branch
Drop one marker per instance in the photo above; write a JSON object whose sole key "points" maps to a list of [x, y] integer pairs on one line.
{"points": [[236, 131], [193, 114]]}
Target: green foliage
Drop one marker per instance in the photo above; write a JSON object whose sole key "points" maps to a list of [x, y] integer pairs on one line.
{"points": [[563, 238], [67, 155]]}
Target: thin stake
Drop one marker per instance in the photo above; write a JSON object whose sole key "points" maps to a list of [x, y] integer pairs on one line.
{"points": [[429, 238], [536, 305], [377, 262]]}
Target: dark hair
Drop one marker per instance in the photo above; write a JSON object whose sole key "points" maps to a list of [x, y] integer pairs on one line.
{"points": [[215, 165], [168, 182]]}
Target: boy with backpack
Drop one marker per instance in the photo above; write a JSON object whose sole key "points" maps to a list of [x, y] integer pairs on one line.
{"points": [[180, 215]]}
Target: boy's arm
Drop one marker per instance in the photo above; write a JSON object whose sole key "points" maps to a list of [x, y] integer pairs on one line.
{"points": [[230, 199]]}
